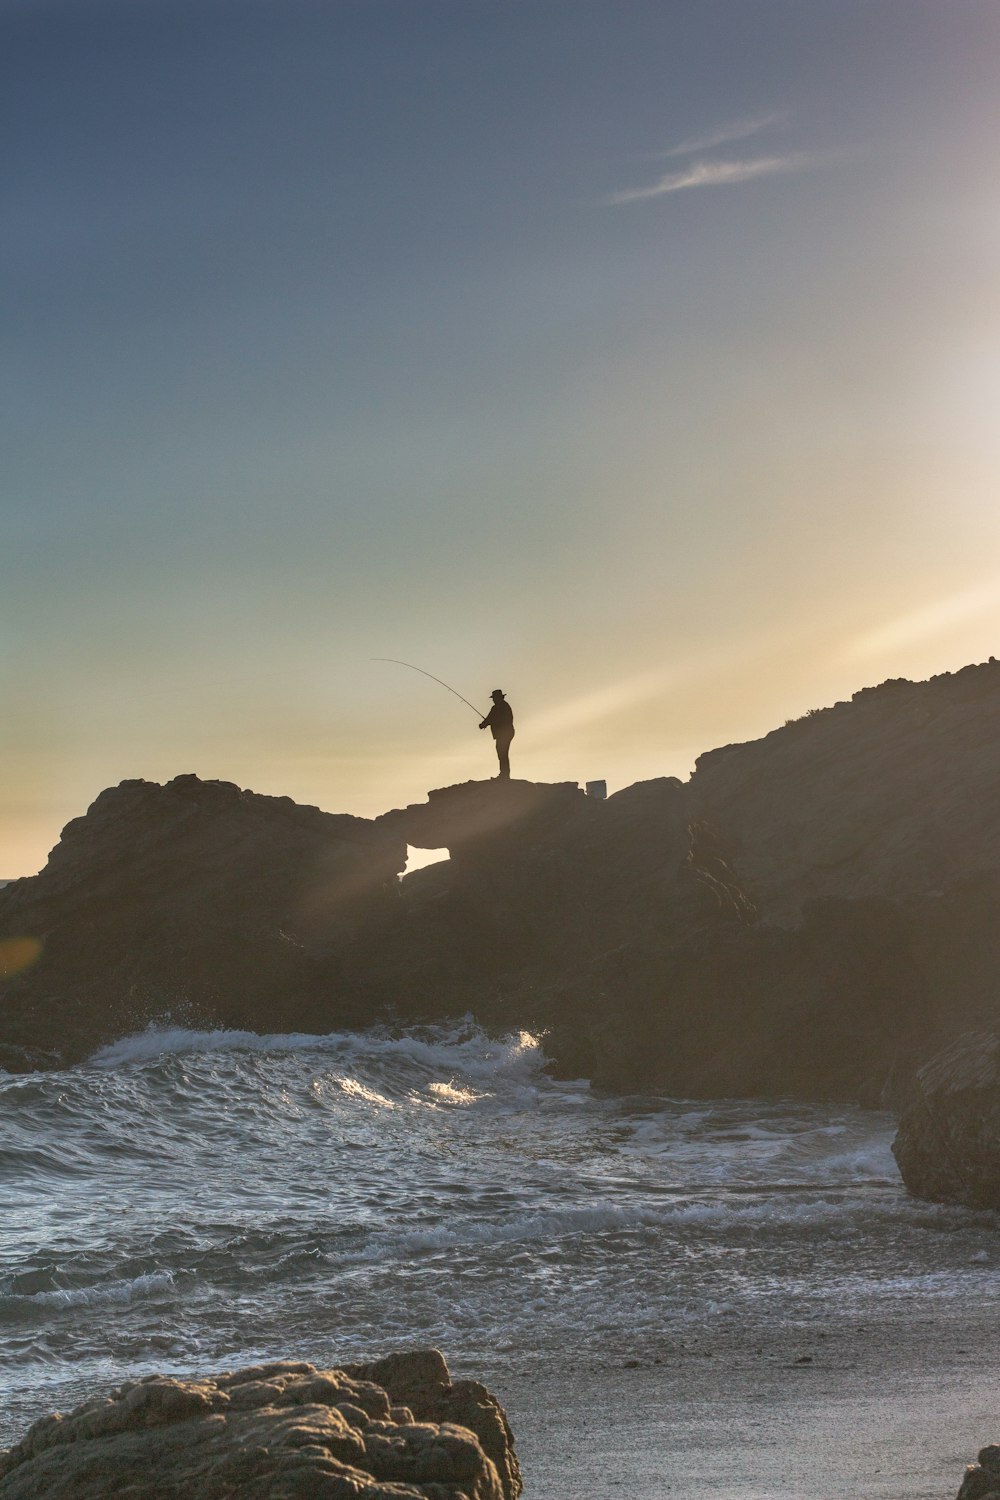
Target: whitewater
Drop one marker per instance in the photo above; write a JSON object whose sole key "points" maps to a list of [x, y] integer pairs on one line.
{"points": [[189, 1201]]}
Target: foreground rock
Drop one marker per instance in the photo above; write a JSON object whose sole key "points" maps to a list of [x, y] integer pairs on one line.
{"points": [[982, 1479], [398, 1429], [948, 1143]]}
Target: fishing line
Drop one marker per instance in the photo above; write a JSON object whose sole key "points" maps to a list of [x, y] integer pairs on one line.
{"points": [[395, 660]]}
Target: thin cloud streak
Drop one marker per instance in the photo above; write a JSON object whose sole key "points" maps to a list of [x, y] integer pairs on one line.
{"points": [[713, 174], [725, 135]]}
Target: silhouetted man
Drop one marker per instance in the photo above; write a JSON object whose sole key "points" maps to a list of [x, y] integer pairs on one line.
{"points": [[500, 722]]}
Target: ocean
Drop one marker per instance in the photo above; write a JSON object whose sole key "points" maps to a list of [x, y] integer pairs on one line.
{"points": [[188, 1201]]}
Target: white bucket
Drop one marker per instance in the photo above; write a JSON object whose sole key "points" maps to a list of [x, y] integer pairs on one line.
{"points": [[598, 789]]}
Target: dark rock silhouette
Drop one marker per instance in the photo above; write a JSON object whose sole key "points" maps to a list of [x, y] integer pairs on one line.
{"points": [[814, 913], [399, 1427], [196, 900], [894, 794]]}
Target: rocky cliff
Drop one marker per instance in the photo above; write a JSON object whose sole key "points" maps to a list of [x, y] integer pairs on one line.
{"points": [[894, 794], [816, 912], [857, 857]]}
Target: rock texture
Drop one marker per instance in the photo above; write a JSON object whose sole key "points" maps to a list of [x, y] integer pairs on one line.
{"points": [[420, 1382], [815, 913], [948, 1143], [395, 1430]]}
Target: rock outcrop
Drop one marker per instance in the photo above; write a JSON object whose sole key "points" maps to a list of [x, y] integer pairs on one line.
{"points": [[815, 913], [894, 794], [420, 1382], [195, 900], [982, 1479], [948, 1143], [854, 856], [212, 906], [395, 1430]]}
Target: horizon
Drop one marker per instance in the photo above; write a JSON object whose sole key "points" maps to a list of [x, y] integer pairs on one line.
{"points": [[639, 359]]}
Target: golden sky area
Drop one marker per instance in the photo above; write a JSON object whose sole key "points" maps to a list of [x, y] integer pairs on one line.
{"points": [[638, 359]]}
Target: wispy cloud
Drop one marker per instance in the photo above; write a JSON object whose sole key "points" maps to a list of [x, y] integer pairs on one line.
{"points": [[724, 135], [713, 174]]}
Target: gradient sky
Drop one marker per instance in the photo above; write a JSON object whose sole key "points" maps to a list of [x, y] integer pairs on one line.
{"points": [[639, 357]]}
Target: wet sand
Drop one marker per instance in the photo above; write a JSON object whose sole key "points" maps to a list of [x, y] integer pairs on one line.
{"points": [[842, 1410]]}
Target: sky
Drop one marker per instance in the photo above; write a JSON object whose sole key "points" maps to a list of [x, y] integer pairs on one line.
{"points": [[638, 357]]}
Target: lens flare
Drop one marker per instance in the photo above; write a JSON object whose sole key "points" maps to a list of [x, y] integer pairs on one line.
{"points": [[18, 954]]}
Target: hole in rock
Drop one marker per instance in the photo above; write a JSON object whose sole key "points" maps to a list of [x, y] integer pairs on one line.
{"points": [[419, 859]]}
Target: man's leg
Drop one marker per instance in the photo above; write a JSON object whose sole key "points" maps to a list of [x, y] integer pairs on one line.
{"points": [[503, 755]]}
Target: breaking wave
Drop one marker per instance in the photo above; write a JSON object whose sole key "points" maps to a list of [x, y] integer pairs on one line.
{"points": [[224, 1196], [464, 1047], [119, 1292]]}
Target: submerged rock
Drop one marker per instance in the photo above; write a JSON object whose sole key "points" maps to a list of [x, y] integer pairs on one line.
{"points": [[399, 1429], [948, 1142]]}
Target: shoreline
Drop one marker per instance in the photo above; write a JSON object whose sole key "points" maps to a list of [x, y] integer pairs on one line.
{"points": [[888, 1406], [843, 1408]]}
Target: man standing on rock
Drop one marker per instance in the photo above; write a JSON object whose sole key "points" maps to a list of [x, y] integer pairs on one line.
{"points": [[500, 721]]}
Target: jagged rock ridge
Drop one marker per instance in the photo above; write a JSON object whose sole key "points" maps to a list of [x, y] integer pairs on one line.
{"points": [[816, 912]]}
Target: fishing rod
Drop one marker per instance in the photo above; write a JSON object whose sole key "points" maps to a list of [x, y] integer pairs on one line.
{"points": [[396, 662]]}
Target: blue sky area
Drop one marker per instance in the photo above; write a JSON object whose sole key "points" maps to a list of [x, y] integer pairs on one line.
{"points": [[640, 358]]}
